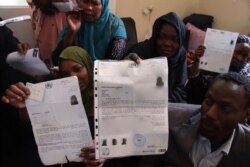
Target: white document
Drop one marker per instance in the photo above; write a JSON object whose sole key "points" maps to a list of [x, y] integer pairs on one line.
{"points": [[131, 108], [14, 19], [59, 121], [30, 63], [219, 50]]}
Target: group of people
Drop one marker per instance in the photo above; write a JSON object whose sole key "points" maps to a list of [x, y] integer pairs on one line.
{"points": [[214, 134], [200, 79]]}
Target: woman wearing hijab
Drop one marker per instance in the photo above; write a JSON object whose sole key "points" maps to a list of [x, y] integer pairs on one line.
{"points": [[73, 61], [199, 80], [167, 40], [92, 27]]}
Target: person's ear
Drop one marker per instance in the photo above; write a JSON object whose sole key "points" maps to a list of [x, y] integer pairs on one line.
{"points": [[247, 116]]}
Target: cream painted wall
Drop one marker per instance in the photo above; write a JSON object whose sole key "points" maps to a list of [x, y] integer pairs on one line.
{"points": [[134, 9], [231, 15]]}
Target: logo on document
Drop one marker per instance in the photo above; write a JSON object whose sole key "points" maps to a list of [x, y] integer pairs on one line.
{"points": [[105, 151], [139, 140]]}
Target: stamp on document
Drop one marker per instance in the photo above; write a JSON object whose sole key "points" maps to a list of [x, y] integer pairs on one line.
{"points": [[105, 151], [139, 140]]}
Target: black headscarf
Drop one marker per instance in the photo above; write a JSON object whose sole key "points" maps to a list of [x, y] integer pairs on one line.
{"points": [[177, 63], [172, 19], [45, 6], [243, 39]]}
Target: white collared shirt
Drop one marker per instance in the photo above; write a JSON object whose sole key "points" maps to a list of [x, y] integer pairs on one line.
{"points": [[202, 156]]}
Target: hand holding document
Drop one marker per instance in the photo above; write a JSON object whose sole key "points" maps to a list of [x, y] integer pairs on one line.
{"points": [[29, 64], [58, 119], [131, 107], [219, 50]]}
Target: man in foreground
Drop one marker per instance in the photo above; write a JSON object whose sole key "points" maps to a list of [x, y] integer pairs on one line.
{"points": [[207, 136], [213, 136]]}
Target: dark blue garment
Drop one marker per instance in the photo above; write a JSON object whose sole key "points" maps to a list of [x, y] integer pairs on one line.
{"points": [[8, 75], [177, 63]]}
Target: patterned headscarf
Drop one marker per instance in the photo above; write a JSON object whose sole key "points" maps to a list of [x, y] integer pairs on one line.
{"points": [[243, 39]]}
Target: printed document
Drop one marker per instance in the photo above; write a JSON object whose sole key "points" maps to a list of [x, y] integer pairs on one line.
{"points": [[219, 50], [30, 63], [131, 107], [58, 119]]}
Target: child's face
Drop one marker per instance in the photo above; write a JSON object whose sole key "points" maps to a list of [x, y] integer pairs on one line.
{"points": [[167, 43], [241, 52]]}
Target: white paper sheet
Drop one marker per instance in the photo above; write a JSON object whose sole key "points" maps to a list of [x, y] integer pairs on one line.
{"points": [[14, 19], [30, 63], [37, 91], [59, 121], [131, 108], [219, 50]]}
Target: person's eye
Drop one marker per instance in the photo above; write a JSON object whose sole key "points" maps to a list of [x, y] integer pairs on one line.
{"points": [[77, 68], [161, 38], [97, 2], [175, 39], [226, 109], [207, 102]]}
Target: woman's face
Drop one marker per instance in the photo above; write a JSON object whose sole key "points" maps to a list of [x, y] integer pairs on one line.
{"points": [[241, 52], [167, 43], [71, 68], [92, 9]]}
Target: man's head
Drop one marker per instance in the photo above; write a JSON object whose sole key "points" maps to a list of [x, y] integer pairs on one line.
{"points": [[226, 104]]}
